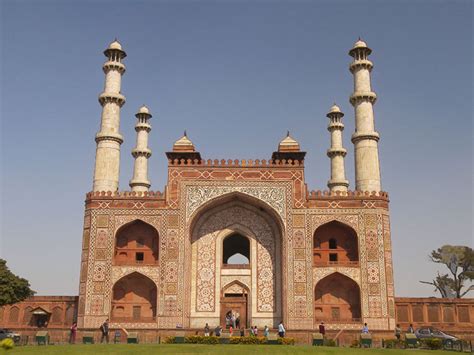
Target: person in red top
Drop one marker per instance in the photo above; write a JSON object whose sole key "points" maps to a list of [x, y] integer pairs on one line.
{"points": [[73, 330], [322, 329]]}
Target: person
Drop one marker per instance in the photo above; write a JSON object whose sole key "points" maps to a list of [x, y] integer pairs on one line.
{"points": [[206, 330], [227, 319], [233, 320], [242, 332], [104, 328], [322, 329], [398, 331], [237, 319], [410, 329], [255, 331], [231, 330], [73, 331], [218, 331], [266, 332], [365, 329], [281, 330]]}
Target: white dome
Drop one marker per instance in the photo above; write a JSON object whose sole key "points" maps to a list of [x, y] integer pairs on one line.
{"points": [[144, 109], [334, 108], [115, 45], [360, 44]]}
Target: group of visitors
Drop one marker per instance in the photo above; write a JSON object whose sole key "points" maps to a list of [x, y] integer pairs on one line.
{"points": [[398, 331], [232, 320], [253, 331]]}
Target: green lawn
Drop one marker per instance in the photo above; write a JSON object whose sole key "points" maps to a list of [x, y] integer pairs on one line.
{"points": [[203, 349]]}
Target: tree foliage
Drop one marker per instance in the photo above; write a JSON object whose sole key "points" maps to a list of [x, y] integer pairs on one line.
{"points": [[460, 262], [13, 288]]}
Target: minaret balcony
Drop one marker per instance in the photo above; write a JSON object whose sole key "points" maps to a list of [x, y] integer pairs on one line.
{"points": [[107, 97], [113, 65], [108, 136], [143, 127], [358, 136], [335, 125], [359, 96], [361, 63], [332, 152], [142, 152]]}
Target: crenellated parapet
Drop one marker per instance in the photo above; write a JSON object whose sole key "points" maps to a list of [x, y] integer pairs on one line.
{"points": [[237, 163], [347, 199]]}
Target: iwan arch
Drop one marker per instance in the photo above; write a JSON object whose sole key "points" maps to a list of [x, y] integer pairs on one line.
{"points": [[155, 260]]}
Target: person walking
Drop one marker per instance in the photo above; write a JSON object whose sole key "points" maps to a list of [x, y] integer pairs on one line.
{"points": [[72, 333], [266, 332], [365, 329], [255, 331], [231, 331], [206, 330], [104, 328], [281, 330], [398, 331]]}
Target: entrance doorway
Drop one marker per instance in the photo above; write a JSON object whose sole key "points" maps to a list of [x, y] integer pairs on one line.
{"points": [[236, 305]]}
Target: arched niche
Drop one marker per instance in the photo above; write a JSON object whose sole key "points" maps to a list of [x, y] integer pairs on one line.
{"points": [[136, 243], [337, 299], [236, 251], [134, 299], [335, 243]]}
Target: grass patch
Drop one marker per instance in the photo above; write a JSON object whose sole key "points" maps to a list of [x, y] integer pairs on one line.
{"points": [[153, 349]]}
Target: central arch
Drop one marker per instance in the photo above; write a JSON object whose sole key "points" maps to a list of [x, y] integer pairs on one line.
{"points": [[217, 230]]}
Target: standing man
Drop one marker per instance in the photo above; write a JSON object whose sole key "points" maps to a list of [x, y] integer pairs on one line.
{"points": [[410, 329], [322, 329], [206, 330], [104, 328], [398, 331], [281, 330]]}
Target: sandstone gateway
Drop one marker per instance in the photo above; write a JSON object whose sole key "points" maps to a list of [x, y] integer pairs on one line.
{"points": [[237, 235]]}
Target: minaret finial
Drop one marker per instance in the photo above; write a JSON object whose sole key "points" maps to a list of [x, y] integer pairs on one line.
{"points": [[185, 134], [288, 133]]}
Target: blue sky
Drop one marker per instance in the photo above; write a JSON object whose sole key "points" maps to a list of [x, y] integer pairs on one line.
{"points": [[236, 75]]}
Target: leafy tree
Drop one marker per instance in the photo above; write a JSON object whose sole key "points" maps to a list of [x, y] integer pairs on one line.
{"points": [[460, 262], [13, 288]]}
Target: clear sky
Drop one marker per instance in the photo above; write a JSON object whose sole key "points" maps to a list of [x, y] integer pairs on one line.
{"points": [[236, 75]]}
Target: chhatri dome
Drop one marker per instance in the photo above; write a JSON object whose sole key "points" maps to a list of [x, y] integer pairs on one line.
{"points": [[115, 45], [360, 44], [144, 110], [183, 144], [334, 108], [288, 144]]}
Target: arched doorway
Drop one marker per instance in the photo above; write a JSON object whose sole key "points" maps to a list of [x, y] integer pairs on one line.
{"points": [[337, 299], [335, 243], [247, 228], [234, 306], [134, 299], [136, 243]]}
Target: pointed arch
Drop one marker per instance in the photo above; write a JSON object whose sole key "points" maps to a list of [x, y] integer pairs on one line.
{"points": [[134, 299], [335, 243], [136, 243], [233, 286], [337, 299]]}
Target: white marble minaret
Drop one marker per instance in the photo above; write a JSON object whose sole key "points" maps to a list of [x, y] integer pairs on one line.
{"points": [[141, 153], [109, 139], [337, 152], [365, 138]]}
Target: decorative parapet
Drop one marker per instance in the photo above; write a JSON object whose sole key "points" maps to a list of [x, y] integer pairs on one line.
{"points": [[349, 199], [126, 194], [216, 163], [318, 194]]}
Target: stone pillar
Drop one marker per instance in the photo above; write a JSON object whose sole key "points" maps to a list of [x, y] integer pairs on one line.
{"points": [[337, 152], [365, 138], [109, 139], [141, 153]]}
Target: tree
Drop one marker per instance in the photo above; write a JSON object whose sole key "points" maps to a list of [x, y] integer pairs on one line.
{"points": [[460, 262], [13, 288]]}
